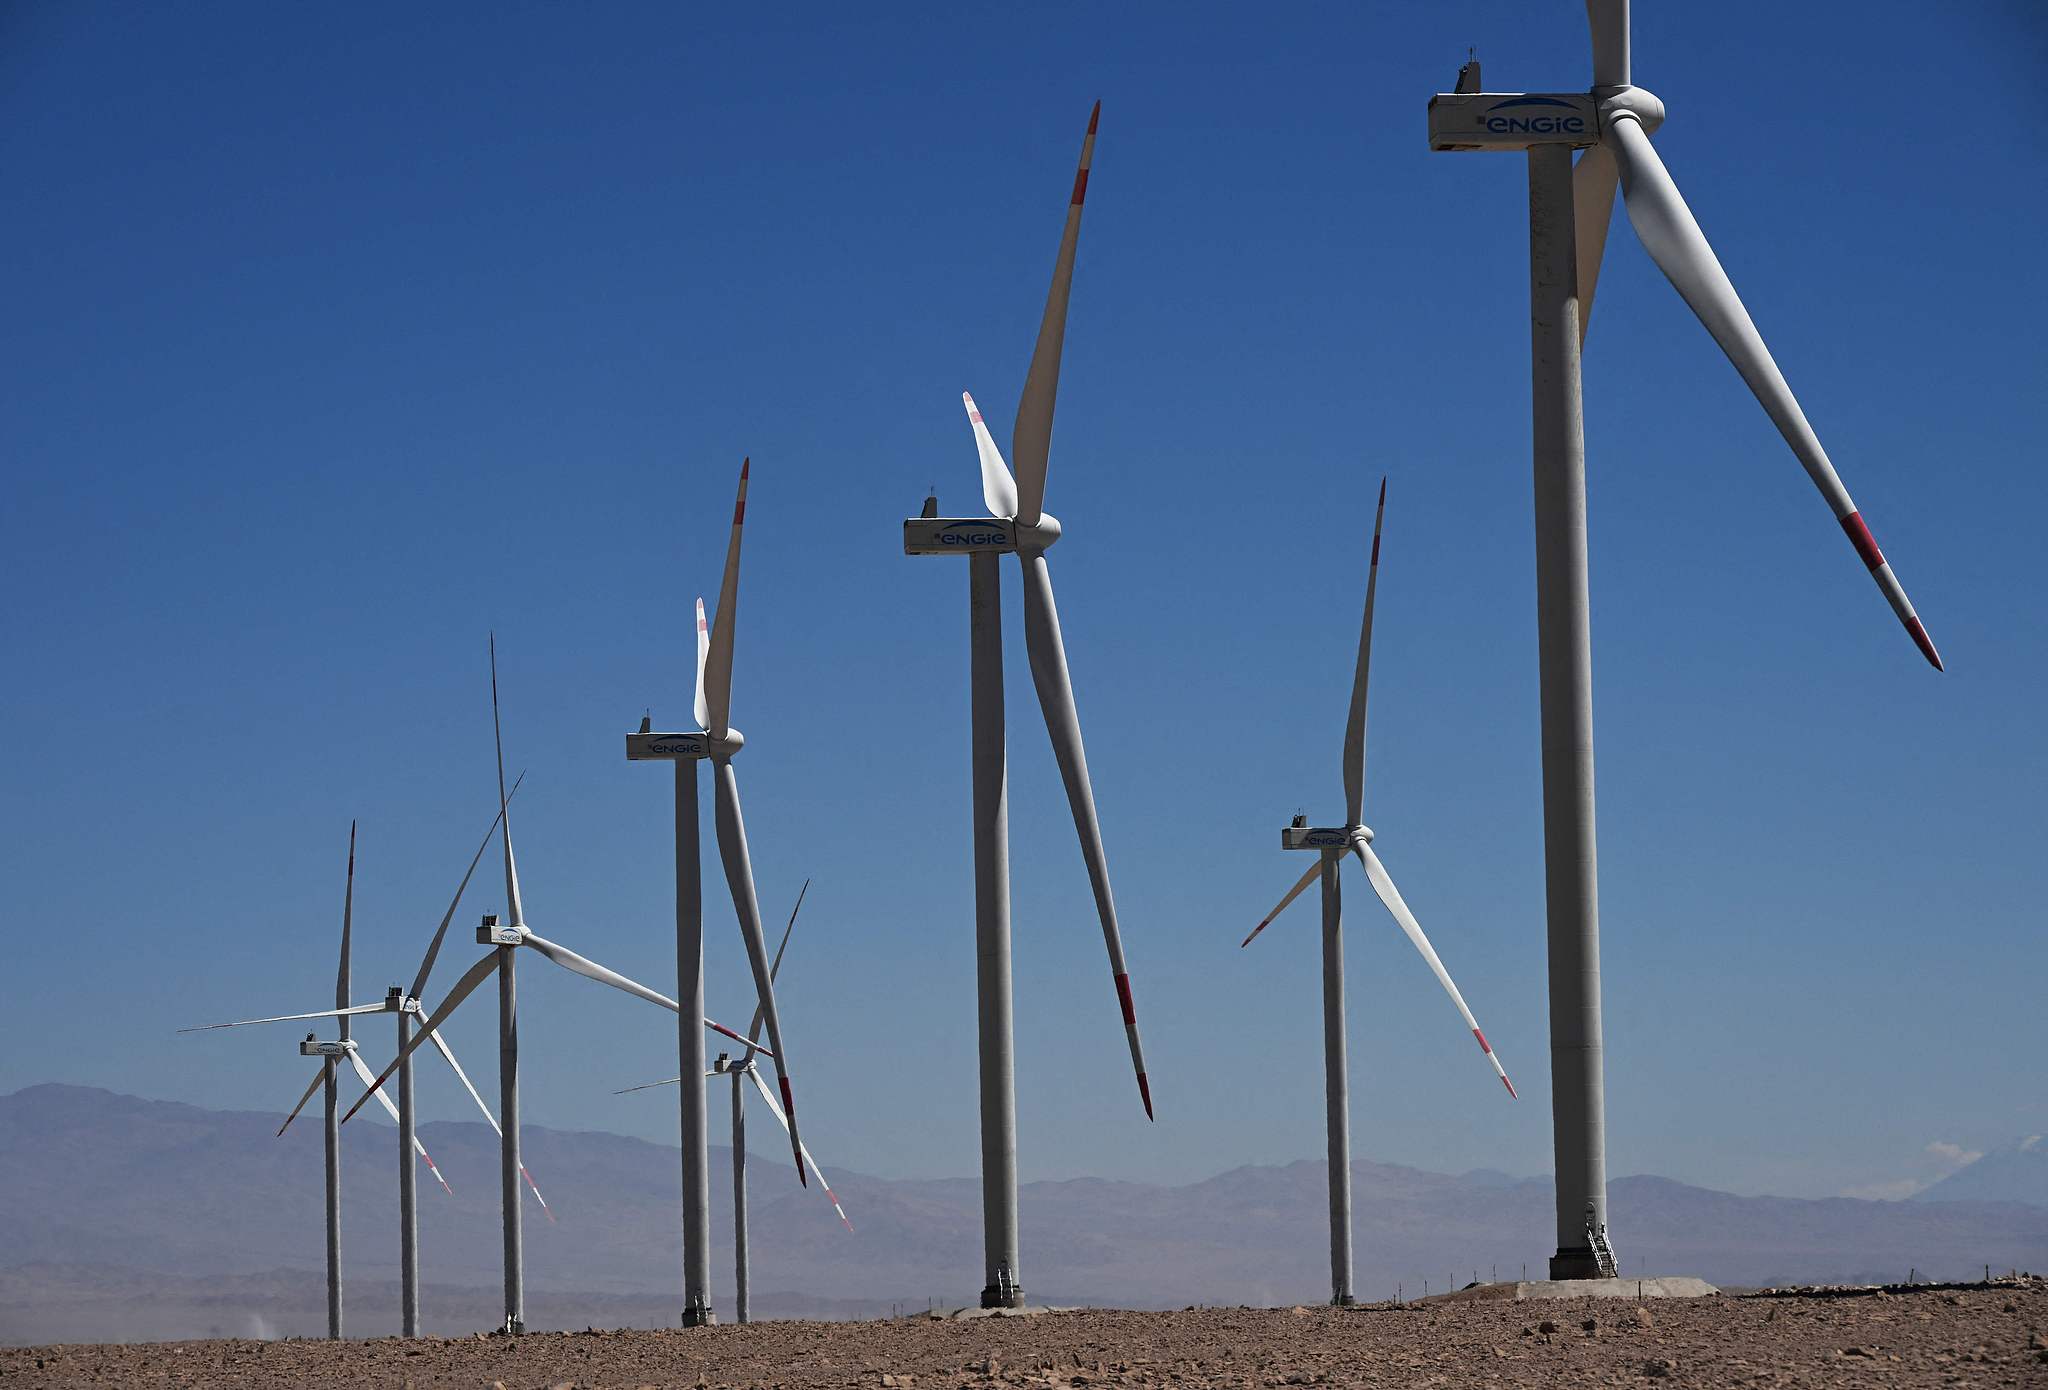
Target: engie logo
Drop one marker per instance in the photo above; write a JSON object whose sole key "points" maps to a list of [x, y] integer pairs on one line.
{"points": [[1533, 116], [973, 533], [1326, 837]]}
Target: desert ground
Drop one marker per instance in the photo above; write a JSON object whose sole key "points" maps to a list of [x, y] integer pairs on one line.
{"points": [[1994, 1335]]}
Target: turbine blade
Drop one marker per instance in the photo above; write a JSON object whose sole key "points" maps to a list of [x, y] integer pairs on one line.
{"points": [[1031, 439], [1382, 884], [998, 488], [1608, 19], [776, 1110], [348, 910], [590, 969], [1048, 655], [754, 1028], [356, 1061], [1665, 226], [512, 904], [1314, 871], [448, 1055], [650, 1085], [718, 656], [318, 1077], [289, 1018], [419, 981], [724, 1032], [1594, 179], [739, 881], [474, 976], [700, 708], [1354, 727]]}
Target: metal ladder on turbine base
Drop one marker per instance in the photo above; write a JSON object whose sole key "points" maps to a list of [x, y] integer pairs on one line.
{"points": [[1596, 1241]]}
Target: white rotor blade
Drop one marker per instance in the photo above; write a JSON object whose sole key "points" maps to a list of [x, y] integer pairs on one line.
{"points": [[1055, 686], [1354, 726], [739, 881], [318, 1077], [419, 981], [348, 912], [1594, 179], [1314, 871], [352, 1010], [769, 1098], [590, 969], [364, 1072], [448, 1055], [650, 1085], [1608, 19], [471, 978], [718, 656], [700, 709], [513, 907], [1665, 226], [1383, 885], [998, 488], [1031, 439]]}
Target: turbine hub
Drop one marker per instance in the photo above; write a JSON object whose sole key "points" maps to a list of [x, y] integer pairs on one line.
{"points": [[1039, 537], [722, 748], [1643, 105], [1362, 832]]}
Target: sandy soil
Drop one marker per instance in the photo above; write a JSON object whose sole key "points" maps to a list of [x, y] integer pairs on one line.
{"points": [[1974, 1337]]}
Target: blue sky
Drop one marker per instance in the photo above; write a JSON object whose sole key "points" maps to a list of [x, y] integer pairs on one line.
{"points": [[333, 341]]}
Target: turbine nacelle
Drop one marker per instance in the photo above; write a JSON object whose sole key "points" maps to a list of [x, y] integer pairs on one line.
{"points": [[978, 535], [686, 746], [1333, 839], [314, 1047], [494, 932]]}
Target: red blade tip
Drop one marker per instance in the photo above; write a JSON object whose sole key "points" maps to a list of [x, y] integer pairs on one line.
{"points": [[1094, 116], [1145, 1090], [1925, 643], [1511, 1087]]}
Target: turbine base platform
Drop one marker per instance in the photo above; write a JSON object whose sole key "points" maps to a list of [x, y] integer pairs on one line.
{"points": [[699, 1317], [1003, 1297], [1529, 1290]]}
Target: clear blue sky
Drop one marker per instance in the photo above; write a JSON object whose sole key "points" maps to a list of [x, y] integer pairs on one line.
{"points": [[334, 339]]}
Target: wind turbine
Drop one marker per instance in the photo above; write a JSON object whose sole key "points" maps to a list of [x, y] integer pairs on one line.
{"points": [[406, 1005], [1018, 523], [1331, 845], [507, 938], [408, 1008], [745, 1069], [717, 741], [1569, 210], [329, 1054]]}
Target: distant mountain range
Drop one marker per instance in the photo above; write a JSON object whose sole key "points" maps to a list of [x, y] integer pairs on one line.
{"points": [[127, 1218]]}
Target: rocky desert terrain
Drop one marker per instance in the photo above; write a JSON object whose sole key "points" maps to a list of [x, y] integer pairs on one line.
{"points": [[1995, 1335]]}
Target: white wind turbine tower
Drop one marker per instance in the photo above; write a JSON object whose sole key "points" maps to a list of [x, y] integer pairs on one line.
{"points": [[1331, 844], [744, 1070], [507, 938], [1018, 523], [1569, 210], [716, 741], [329, 1054]]}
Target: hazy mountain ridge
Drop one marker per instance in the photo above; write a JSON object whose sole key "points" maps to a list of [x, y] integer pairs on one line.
{"points": [[108, 1194]]}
